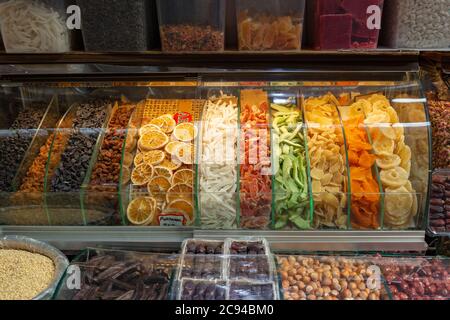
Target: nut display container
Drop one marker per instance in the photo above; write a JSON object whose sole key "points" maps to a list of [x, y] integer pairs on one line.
{"points": [[42, 25], [416, 24], [344, 24], [270, 25], [192, 25], [118, 25]]}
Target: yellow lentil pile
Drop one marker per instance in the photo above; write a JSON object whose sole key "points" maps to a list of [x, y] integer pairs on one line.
{"points": [[23, 275]]}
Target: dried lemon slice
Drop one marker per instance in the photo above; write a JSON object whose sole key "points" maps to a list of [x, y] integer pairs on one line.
{"points": [[185, 153], [165, 122], [185, 176], [153, 140], [147, 128], [383, 146], [141, 211], [179, 191], [388, 161], [173, 146], [142, 174], [184, 206], [185, 132], [164, 172], [394, 178], [154, 157]]}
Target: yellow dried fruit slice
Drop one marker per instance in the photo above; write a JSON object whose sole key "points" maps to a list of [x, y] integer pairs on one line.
{"points": [[179, 191], [398, 202], [388, 131], [171, 164], [185, 132], [183, 206], [173, 147], [154, 157], [399, 131], [130, 144], [148, 127], [405, 155], [138, 159], [394, 178], [141, 211], [383, 146], [163, 171], [158, 186], [126, 175], [185, 154], [165, 122], [127, 159], [142, 174], [388, 161], [185, 176], [377, 117], [153, 140], [393, 116], [381, 105]]}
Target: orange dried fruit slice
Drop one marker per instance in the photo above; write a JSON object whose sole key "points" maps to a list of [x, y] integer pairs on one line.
{"points": [[179, 191], [127, 159], [142, 174], [163, 172], [153, 140], [148, 127], [141, 211], [173, 147], [165, 122], [125, 175], [171, 164], [158, 186], [154, 157], [185, 132], [185, 176], [185, 154], [184, 206], [138, 159]]}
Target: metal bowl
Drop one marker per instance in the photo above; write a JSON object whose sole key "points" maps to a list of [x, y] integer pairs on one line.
{"points": [[34, 246]]}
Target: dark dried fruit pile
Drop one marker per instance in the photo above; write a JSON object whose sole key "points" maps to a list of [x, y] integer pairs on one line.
{"points": [[203, 260], [249, 267], [199, 247], [440, 202], [16, 141], [89, 120], [203, 290], [106, 277], [247, 247], [176, 38], [251, 291], [426, 280], [440, 126]]}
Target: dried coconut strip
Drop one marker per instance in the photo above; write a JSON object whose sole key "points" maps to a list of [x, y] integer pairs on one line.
{"points": [[218, 171]]}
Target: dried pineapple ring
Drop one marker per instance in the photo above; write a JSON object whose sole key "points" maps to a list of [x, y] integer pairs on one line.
{"points": [[405, 155], [399, 131], [398, 202], [388, 161], [383, 146], [393, 116], [394, 178], [377, 117], [378, 97], [381, 105], [407, 167], [388, 131]]}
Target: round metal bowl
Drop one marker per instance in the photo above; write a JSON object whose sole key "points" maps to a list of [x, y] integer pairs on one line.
{"points": [[34, 246]]}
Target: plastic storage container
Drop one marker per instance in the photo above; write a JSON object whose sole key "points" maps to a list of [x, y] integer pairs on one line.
{"points": [[42, 25], [270, 25], [118, 25], [120, 275], [419, 24], [192, 25], [344, 24]]}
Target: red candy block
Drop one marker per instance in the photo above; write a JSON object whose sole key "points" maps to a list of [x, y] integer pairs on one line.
{"points": [[335, 31]]}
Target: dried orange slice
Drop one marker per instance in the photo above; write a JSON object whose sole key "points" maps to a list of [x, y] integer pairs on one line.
{"points": [[138, 159], [165, 122], [153, 140], [127, 159], [158, 187], [148, 127], [185, 176], [142, 174], [185, 132], [184, 206], [171, 164], [179, 191], [173, 147], [185, 153], [141, 211], [125, 175], [154, 157], [163, 171]]}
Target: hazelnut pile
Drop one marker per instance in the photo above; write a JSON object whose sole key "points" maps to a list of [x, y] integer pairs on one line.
{"points": [[325, 278]]}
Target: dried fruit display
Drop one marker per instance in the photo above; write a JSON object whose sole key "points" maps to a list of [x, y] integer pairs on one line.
{"points": [[162, 176], [388, 142], [250, 267], [243, 290], [201, 259], [290, 189], [326, 278], [250, 247], [439, 209], [440, 127], [255, 163], [365, 192], [218, 166], [194, 246], [269, 32], [327, 159], [416, 279], [110, 275], [189, 38], [202, 290]]}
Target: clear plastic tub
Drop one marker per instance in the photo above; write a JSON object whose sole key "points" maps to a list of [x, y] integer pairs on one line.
{"points": [[342, 24], [270, 24], [418, 24], [118, 25], [246, 290], [42, 24], [192, 25]]}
